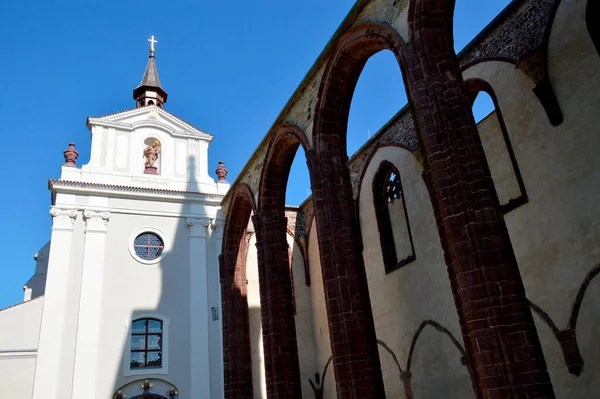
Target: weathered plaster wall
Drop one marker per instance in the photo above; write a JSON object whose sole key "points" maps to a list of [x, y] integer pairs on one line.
{"points": [[496, 152], [307, 355], [416, 292], [319, 315], [256, 341], [303, 318], [556, 235]]}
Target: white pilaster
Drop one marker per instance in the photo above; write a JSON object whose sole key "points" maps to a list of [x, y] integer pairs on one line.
{"points": [[199, 312], [48, 365], [89, 323], [217, 329]]}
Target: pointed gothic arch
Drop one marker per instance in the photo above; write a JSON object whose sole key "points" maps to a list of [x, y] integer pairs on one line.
{"points": [[237, 359], [336, 217], [469, 222], [474, 86], [282, 368]]}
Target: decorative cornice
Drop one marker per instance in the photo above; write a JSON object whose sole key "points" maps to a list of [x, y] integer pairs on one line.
{"points": [[54, 183], [63, 218]]}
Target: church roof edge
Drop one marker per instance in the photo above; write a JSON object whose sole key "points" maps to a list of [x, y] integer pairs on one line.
{"points": [[21, 303], [72, 183], [89, 118]]}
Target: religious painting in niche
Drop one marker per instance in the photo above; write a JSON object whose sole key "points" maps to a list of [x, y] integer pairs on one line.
{"points": [[148, 246], [152, 150], [392, 219], [146, 343]]}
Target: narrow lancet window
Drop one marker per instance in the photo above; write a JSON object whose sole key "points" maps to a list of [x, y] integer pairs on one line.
{"points": [[392, 218]]}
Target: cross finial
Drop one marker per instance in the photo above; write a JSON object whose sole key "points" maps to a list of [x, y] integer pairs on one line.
{"points": [[152, 41]]}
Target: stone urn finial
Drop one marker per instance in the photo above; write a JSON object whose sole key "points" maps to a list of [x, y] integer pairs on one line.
{"points": [[221, 171], [71, 154]]}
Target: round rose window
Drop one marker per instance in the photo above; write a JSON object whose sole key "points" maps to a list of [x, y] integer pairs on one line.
{"points": [[148, 246]]}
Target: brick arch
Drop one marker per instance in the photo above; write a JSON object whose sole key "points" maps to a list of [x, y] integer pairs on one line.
{"points": [[352, 333], [344, 67], [282, 368], [496, 322], [276, 168], [237, 360]]}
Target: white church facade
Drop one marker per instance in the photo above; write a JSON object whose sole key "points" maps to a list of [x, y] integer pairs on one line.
{"points": [[125, 300]]}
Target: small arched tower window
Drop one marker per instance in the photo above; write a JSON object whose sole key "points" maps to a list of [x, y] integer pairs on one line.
{"points": [[146, 344], [392, 218], [150, 102], [152, 158]]}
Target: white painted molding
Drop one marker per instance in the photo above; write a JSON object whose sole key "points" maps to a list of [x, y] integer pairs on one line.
{"points": [[217, 228], [96, 220], [63, 218], [198, 226]]}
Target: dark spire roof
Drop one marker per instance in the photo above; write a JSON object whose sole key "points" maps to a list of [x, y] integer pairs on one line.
{"points": [[150, 83], [150, 75]]}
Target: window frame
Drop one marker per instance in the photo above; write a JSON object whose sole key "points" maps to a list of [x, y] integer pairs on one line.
{"points": [[160, 234], [383, 218], [164, 368], [474, 87]]}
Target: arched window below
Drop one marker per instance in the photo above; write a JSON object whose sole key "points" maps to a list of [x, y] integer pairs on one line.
{"points": [[150, 102], [147, 345], [392, 218]]}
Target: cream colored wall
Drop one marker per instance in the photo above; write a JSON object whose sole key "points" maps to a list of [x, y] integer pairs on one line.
{"points": [[400, 229], [18, 348], [304, 326], [21, 326], [418, 291], [16, 377], [319, 315], [556, 236], [256, 341], [496, 151], [303, 319]]}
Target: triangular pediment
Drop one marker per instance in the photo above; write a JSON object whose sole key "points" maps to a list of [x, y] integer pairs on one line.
{"points": [[149, 116]]}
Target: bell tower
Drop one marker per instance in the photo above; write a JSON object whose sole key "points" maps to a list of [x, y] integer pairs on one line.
{"points": [[149, 91]]}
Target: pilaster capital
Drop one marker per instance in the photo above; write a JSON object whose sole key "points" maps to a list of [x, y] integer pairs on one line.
{"points": [[95, 220], [217, 227], [63, 218], [198, 226]]}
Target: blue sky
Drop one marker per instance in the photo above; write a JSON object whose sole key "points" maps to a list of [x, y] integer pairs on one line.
{"points": [[229, 68]]}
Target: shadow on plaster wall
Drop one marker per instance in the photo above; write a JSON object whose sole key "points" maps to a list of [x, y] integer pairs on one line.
{"points": [[404, 374], [166, 369]]}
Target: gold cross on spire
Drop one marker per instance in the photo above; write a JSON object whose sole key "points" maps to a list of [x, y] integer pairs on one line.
{"points": [[152, 41]]}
